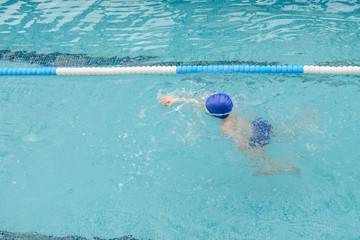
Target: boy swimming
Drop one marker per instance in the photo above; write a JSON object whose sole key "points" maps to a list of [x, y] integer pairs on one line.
{"points": [[251, 137]]}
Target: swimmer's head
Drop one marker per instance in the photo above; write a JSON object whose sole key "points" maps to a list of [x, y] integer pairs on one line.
{"points": [[219, 105]]}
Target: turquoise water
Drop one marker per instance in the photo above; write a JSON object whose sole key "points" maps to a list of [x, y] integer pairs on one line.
{"points": [[99, 156]]}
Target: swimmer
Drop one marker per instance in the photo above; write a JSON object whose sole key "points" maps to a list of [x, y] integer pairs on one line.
{"points": [[251, 137]]}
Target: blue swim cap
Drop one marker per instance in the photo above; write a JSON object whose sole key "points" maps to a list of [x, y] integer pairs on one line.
{"points": [[219, 105]]}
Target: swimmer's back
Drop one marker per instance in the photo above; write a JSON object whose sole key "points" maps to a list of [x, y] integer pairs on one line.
{"points": [[249, 134], [238, 129]]}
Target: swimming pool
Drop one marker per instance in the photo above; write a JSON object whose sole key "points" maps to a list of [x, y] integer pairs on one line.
{"points": [[99, 156]]}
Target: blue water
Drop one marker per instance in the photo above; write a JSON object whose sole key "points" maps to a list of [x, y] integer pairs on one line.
{"points": [[99, 156]]}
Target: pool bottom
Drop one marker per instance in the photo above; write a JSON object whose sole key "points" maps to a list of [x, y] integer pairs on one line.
{"points": [[4, 235]]}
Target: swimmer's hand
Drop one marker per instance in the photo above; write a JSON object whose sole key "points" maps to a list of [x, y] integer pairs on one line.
{"points": [[168, 100]]}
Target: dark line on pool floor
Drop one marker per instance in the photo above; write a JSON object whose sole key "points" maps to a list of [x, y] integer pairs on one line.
{"points": [[57, 59], [4, 235]]}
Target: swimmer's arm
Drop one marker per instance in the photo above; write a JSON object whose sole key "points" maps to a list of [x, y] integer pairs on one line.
{"points": [[168, 101]]}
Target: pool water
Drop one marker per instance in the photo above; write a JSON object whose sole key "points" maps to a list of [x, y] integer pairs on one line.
{"points": [[99, 156]]}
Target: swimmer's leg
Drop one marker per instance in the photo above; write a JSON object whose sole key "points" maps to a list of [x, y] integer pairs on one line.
{"points": [[268, 166], [281, 134], [301, 123], [293, 170]]}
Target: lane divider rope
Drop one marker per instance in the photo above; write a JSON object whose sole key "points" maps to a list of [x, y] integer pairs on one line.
{"points": [[296, 69]]}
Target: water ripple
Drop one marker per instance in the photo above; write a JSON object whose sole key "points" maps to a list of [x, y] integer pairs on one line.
{"points": [[189, 30]]}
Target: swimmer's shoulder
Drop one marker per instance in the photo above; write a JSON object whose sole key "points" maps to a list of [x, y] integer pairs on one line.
{"points": [[227, 125]]}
